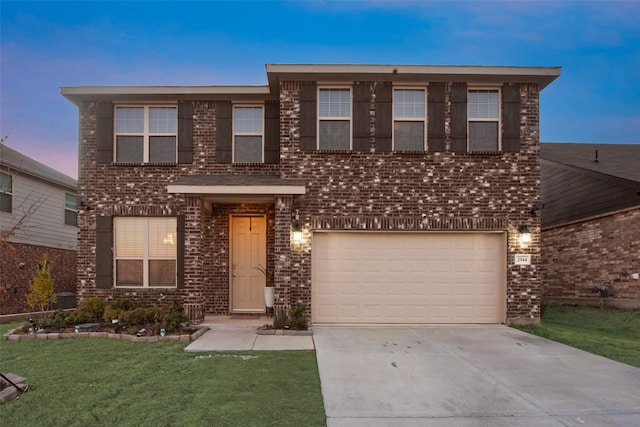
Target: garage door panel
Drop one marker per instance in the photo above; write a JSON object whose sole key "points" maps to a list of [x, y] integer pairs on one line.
{"points": [[365, 277]]}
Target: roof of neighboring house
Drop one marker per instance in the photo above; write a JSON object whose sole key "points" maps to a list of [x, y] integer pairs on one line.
{"points": [[582, 180], [619, 160], [16, 161], [321, 72]]}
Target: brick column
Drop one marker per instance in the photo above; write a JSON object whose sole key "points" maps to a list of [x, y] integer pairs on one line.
{"points": [[282, 251], [193, 259]]}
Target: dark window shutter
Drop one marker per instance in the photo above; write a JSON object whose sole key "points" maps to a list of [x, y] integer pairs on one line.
{"points": [[308, 118], [104, 132], [384, 118], [104, 252], [272, 132], [459, 117], [435, 120], [224, 132], [511, 118], [185, 132], [361, 102], [180, 240]]}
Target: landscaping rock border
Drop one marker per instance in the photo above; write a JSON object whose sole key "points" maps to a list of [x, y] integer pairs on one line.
{"points": [[10, 336]]}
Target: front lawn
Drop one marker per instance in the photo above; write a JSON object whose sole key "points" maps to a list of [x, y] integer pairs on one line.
{"points": [[98, 381], [611, 333]]}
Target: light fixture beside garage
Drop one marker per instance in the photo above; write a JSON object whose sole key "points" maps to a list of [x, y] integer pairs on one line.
{"points": [[525, 234], [297, 228]]}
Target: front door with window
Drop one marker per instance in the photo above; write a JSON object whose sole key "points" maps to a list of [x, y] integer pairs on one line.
{"points": [[248, 251]]}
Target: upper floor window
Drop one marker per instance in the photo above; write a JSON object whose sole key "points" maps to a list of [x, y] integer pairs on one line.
{"points": [[145, 251], [6, 193], [70, 209], [409, 118], [483, 106], [248, 130], [334, 119], [146, 134]]}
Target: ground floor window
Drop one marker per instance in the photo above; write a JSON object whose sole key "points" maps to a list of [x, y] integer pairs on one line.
{"points": [[145, 251]]}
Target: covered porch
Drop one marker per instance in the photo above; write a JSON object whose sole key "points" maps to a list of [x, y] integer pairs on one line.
{"points": [[235, 224]]}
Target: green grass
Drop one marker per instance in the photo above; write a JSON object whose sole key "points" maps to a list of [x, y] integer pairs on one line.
{"points": [[611, 333], [99, 381]]}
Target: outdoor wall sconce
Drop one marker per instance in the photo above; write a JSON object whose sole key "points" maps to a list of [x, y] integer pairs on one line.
{"points": [[297, 228], [525, 234], [9, 286]]}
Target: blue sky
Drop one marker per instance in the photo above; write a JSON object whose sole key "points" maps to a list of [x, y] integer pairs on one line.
{"points": [[45, 45]]}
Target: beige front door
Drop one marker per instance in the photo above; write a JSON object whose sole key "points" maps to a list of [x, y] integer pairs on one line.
{"points": [[248, 251]]}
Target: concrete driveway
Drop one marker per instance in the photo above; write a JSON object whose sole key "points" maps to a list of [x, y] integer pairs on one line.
{"points": [[468, 376]]}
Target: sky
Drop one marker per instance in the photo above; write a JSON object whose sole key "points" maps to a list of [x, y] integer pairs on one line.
{"points": [[47, 45]]}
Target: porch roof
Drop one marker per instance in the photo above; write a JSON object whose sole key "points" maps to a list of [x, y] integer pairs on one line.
{"points": [[236, 188]]}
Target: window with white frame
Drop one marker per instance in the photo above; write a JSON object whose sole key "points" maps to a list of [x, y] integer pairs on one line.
{"points": [[248, 126], [6, 193], [70, 209], [145, 252], [334, 119], [146, 134], [409, 119], [483, 107]]}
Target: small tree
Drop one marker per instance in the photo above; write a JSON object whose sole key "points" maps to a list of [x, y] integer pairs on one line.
{"points": [[42, 291]]}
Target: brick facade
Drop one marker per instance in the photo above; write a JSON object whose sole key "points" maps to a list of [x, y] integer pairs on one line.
{"points": [[63, 272], [579, 255], [344, 190]]}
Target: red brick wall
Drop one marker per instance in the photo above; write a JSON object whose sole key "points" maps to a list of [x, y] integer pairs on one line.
{"points": [[63, 272], [462, 192], [579, 255]]}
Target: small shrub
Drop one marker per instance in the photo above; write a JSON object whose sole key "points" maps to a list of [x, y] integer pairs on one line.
{"points": [[297, 318], [172, 317], [111, 313], [42, 292], [59, 319], [126, 304], [138, 316], [78, 317], [94, 307], [280, 317]]}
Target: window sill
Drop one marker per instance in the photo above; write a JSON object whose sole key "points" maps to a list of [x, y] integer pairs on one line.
{"points": [[146, 287], [485, 153], [248, 164], [127, 164]]}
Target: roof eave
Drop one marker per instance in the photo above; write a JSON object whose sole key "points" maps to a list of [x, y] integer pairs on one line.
{"points": [[77, 94], [412, 73]]}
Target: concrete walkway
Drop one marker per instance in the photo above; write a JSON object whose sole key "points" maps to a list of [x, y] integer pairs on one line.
{"points": [[227, 334], [468, 376]]}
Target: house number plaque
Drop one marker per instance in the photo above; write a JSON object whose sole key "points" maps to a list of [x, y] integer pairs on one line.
{"points": [[523, 259]]}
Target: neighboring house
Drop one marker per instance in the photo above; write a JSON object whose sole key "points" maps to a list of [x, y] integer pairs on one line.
{"points": [[38, 215], [590, 220], [375, 193]]}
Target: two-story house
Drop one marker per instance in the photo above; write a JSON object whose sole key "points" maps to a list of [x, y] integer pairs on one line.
{"points": [[376, 193], [38, 215]]}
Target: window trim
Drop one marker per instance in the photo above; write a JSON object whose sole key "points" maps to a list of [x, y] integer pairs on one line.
{"points": [[145, 257], [234, 133], [497, 120], [405, 119], [145, 134], [75, 211], [10, 193], [332, 118]]}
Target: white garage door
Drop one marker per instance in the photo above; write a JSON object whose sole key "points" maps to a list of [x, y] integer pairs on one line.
{"points": [[365, 277]]}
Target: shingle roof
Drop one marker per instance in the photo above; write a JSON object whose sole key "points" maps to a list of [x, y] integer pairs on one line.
{"points": [[574, 186], [17, 161], [619, 160]]}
